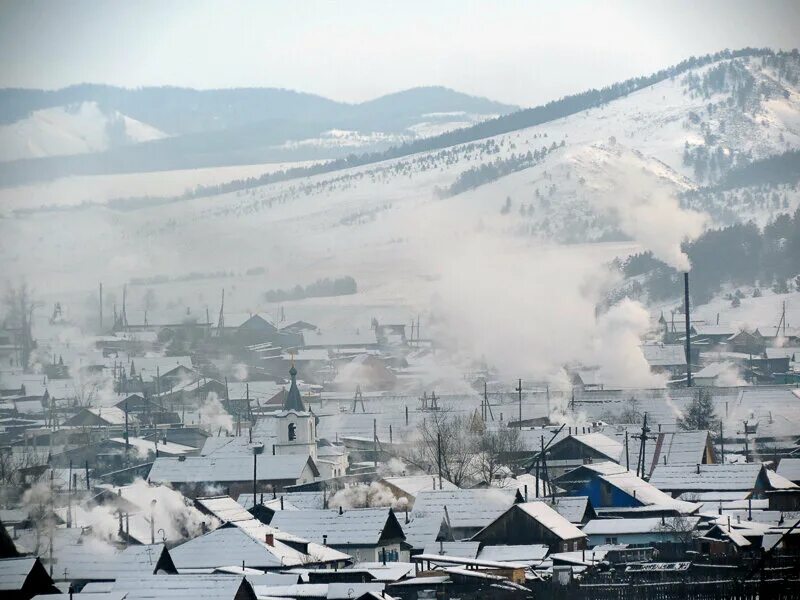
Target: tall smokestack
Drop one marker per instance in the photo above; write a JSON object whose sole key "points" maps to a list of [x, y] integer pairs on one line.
{"points": [[688, 327]]}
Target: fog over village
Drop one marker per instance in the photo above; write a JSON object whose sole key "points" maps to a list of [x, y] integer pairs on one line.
{"points": [[361, 300]]}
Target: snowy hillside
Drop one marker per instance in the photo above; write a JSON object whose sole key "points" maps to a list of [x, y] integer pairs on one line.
{"points": [[73, 129], [609, 173]]}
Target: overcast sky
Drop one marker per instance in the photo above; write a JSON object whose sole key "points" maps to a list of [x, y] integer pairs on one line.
{"points": [[519, 52]]}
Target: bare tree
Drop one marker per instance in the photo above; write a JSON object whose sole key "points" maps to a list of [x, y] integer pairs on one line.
{"points": [[20, 305], [495, 451], [445, 435]]}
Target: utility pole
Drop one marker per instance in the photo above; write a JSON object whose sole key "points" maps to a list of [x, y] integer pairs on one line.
{"points": [[439, 456], [627, 456], [519, 393], [375, 442], [101, 305], [722, 441]]}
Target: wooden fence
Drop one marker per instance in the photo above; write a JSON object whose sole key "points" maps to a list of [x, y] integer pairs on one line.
{"points": [[727, 589]]}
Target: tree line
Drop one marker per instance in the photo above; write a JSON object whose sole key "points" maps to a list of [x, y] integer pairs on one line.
{"points": [[341, 286], [740, 254]]}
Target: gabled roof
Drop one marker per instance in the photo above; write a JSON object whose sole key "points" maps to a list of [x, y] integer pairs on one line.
{"points": [[789, 468], [514, 553], [572, 508], [466, 507], [730, 477], [550, 519], [298, 500], [601, 443], [232, 546], [14, 572], [460, 549], [722, 531], [355, 527], [423, 529], [646, 525], [628, 482], [201, 469], [179, 587], [224, 508], [664, 355]]}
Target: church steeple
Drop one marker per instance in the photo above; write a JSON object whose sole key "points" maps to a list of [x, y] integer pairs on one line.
{"points": [[293, 401]]}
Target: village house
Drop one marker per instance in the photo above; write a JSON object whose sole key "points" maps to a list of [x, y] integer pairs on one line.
{"points": [[532, 523], [641, 531], [366, 534]]}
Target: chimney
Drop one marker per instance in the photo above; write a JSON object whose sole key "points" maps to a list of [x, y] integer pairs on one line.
{"points": [[406, 514], [269, 539], [526, 492], [324, 539], [182, 458], [688, 328], [698, 468], [281, 502], [341, 510]]}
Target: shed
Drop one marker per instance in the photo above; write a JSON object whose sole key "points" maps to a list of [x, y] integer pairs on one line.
{"points": [[23, 578]]}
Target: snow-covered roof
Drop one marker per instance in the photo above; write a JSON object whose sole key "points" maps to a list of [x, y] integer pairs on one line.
{"points": [[14, 572], [550, 519], [790, 352], [231, 545], [789, 468], [175, 587], [358, 526], [572, 508], [465, 507], [423, 529], [461, 549], [200, 469], [145, 445], [714, 369], [638, 488], [297, 500], [646, 525], [730, 477], [664, 355], [225, 508], [779, 482], [514, 553], [601, 443]]}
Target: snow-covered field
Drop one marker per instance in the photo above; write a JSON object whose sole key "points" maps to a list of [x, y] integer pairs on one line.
{"points": [[98, 189]]}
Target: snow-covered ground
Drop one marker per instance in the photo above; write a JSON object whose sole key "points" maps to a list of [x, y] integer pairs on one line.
{"points": [[98, 189]]}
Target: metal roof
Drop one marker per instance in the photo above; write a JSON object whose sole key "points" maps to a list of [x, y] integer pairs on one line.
{"points": [[460, 549], [423, 529], [729, 477], [572, 508], [231, 545], [177, 587], [514, 553], [199, 469], [225, 508], [664, 355], [14, 572], [295, 500], [357, 527], [412, 485], [789, 468], [646, 525], [550, 519], [466, 507]]}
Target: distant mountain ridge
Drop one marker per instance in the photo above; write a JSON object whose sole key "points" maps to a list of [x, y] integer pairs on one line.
{"points": [[178, 111]]}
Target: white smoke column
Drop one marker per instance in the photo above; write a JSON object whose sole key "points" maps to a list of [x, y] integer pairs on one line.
{"points": [[366, 496], [171, 512], [730, 376], [213, 415], [647, 210], [617, 349]]}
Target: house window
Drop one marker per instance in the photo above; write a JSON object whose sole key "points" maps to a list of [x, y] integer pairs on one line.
{"points": [[292, 432], [611, 540]]}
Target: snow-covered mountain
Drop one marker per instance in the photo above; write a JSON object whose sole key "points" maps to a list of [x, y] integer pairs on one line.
{"points": [[71, 129]]}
